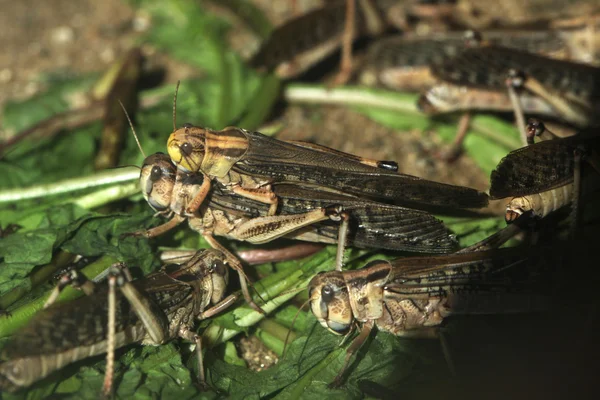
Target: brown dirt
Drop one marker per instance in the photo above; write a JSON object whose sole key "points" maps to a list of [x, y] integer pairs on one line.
{"points": [[60, 37], [256, 354]]}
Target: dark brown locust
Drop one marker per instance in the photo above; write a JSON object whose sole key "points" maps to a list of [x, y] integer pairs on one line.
{"points": [[153, 310], [502, 79], [308, 213], [250, 164], [304, 41]]}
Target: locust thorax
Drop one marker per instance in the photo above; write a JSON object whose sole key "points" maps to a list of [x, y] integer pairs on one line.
{"points": [[330, 303], [186, 147], [157, 179]]}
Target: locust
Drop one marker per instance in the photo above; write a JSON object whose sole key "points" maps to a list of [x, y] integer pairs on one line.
{"points": [[305, 213], [545, 176], [153, 310], [404, 62], [505, 79], [410, 297], [299, 44], [477, 14], [251, 164]]}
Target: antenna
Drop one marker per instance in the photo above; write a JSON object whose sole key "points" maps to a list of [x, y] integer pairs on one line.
{"points": [[293, 322], [175, 107], [132, 129]]}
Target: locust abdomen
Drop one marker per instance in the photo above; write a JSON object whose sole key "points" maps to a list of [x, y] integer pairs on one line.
{"points": [[540, 204]]}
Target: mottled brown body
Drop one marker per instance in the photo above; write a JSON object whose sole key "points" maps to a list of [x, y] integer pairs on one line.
{"points": [[68, 332], [485, 14], [302, 42], [410, 296], [230, 215], [410, 293], [572, 89], [404, 62]]}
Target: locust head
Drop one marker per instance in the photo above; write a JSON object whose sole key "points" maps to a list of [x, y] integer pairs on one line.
{"points": [[204, 150], [157, 178], [330, 302], [219, 273], [187, 147]]}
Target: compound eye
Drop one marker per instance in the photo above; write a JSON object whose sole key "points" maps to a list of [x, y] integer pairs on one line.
{"points": [[186, 148], [155, 174], [188, 125], [219, 268], [327, 293]]}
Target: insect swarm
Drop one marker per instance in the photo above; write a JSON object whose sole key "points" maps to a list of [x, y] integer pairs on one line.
{"points": [[133, 214]]}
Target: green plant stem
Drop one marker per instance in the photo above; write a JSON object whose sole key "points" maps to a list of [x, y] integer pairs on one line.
{"points": [[20, 316], [272, 342], [262, 104], [352, 96], [71, 185], [107, 195], [274, 329]]}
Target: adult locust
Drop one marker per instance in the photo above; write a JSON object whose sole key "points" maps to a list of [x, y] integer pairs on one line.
{"points": [[310, 213], [251, 164], [411, 296], [153, 310]]}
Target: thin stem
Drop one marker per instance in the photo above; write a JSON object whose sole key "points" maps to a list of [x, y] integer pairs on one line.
{"points": [[107, 195], [352, 96], [20, 316], [71, 185]]}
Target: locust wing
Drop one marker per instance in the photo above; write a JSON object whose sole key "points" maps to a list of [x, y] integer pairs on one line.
{"points": [[292, 163], [372, 224], [536, 168]]}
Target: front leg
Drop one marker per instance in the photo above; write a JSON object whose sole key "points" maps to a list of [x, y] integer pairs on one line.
{"points": [[353, 348], [158, 230], [72, 278], [347, 38], [200, 196], [235, 264], [187, 334], [515, 80], [262, 194]]}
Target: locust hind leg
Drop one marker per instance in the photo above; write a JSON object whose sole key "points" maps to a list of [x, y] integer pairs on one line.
{"points": [[568, 109], [156, 324]]}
